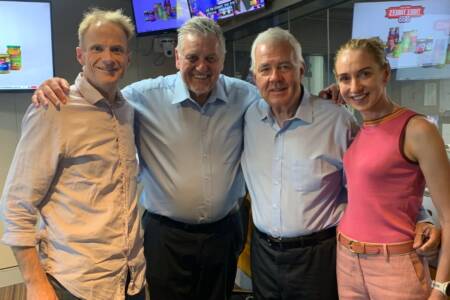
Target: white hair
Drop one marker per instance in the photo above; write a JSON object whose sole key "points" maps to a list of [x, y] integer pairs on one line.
{"points": [[277, 35], [201, 26]]}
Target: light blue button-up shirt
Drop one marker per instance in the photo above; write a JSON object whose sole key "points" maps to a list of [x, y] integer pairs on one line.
{"points": [[189, 153], [295, 174]]}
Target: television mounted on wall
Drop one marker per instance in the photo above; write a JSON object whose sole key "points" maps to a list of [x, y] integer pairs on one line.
{"points": [[159, 16], [26, 48], [222, 9], [415, 33]]}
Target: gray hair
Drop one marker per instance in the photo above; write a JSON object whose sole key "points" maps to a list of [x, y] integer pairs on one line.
{"points": [[277, 35], [201, 26], [112, 16]]}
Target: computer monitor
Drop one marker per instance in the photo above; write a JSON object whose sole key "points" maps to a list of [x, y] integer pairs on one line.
{"points": [[26, 49], [159, 16], [222, 9]]}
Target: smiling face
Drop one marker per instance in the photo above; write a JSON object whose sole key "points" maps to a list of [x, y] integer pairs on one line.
{"points": [[362, 81], [277, 76], [104, 56], [200, 62]]}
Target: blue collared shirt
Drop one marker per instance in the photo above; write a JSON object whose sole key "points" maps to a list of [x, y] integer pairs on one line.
{"points": [[190, 153], [295, 174]]}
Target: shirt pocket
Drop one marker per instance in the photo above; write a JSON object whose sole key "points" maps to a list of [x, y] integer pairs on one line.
{"points": [[306, 175]]}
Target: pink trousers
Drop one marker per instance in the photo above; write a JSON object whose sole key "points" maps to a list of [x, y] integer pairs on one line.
{"points": [[380, 277]]}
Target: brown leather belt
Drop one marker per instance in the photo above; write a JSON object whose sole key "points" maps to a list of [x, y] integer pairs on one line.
{"points": [[375, 249]]}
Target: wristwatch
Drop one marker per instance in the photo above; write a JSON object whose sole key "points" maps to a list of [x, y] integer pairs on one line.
{"points": [[443, 287]]}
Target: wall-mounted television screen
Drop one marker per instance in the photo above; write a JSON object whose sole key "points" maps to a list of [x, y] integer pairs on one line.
{"points": [[415, 33], [159, 16], [26, 52], [222, 9]]}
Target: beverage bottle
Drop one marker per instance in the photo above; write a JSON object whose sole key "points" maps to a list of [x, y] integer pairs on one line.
{"points": [[15, 57], [396, 35], [391, 40]]}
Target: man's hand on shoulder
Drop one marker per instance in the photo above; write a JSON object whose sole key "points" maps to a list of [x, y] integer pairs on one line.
{"points": [[53, 90], [331, 92]]}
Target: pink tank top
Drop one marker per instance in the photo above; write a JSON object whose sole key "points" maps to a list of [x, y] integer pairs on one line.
{"points": [[385, 189]]}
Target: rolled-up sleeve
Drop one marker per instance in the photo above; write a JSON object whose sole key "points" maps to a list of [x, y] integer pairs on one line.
{"points": [[31, 175]]}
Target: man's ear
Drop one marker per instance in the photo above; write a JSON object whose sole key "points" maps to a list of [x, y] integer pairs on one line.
{"points": [[80, 56], [302, 71], [177, 58], [129, 59]]}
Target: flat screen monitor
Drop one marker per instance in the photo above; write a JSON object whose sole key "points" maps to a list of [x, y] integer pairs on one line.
{"points": [[159, 16], [222, 9], [415, 33], [26, 52]]}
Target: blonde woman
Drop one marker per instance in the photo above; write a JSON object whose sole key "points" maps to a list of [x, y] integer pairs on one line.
{"points": [[395, 153]]}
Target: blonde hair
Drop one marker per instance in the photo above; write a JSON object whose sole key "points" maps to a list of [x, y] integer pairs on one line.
{"points": [[374, 46], [112, 16]]}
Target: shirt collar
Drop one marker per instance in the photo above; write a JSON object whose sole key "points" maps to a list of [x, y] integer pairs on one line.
{"points": [[304, 111], [90, 93], [182, 92]]}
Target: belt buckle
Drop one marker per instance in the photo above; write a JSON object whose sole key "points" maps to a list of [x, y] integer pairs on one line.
{"points": [[351, 246], [274, 242]]}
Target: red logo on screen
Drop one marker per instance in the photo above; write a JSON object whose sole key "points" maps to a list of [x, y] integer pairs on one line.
{"points": [[404, 13]]}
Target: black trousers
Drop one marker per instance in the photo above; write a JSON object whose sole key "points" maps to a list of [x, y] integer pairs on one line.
{"points": [[294, 273], [191, 262]]}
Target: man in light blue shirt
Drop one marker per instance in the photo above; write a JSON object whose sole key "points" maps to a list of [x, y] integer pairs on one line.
{"points": [[292, 163], [190, 151], [189, 136]]}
